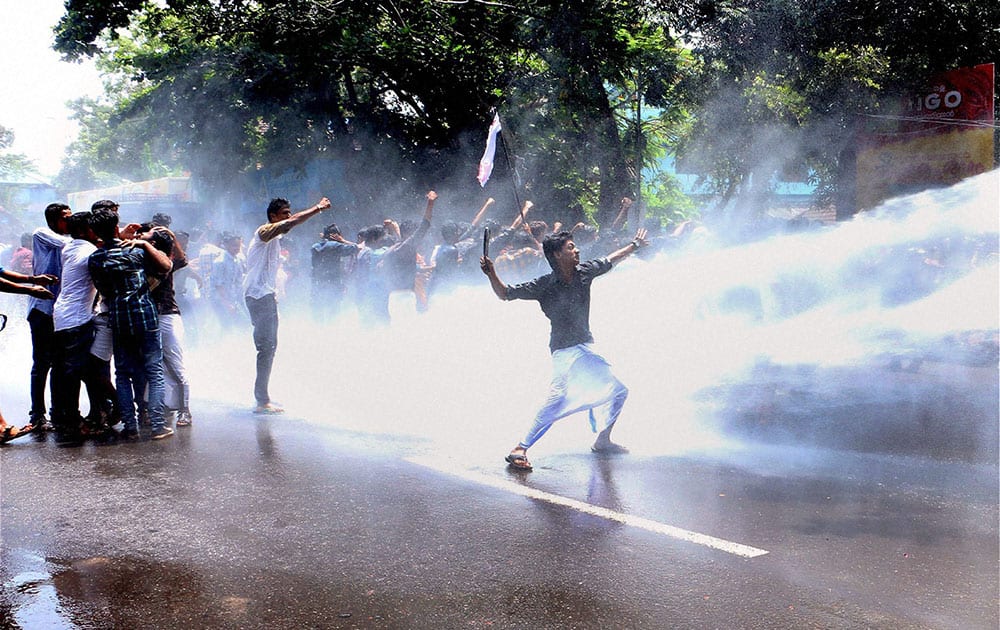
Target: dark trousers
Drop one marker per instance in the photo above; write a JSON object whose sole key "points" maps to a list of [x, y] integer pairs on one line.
{"points": [[264, 317], [41, 358], [70, 366]]}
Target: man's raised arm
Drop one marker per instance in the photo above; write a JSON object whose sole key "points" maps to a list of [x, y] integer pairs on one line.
{"points": [[624, 252], [522, 215], [271, 230], [482, 212]]}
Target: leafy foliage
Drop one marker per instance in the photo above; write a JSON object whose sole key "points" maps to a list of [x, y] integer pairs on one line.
{"points": [[739, 90], [785, 84]]}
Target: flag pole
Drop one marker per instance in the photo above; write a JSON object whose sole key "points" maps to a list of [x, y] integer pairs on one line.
{"points": [[510, 167]]}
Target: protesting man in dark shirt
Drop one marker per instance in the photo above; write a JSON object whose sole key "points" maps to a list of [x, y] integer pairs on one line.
{"points": [[332, 260], [582, 379]]}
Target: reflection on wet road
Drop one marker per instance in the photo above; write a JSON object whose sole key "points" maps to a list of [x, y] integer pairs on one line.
{"points": [[525, 490], [278, 523]]}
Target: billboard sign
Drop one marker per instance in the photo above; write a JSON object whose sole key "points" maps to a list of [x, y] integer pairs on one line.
{"points": [[939, 136]]}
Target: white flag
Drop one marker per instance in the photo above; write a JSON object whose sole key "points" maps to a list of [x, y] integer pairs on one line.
{"points": [[486, 164]]}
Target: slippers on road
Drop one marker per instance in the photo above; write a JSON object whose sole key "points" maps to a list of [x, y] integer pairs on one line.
{"points": [[10, 433], [609, 449], [518, 462]]}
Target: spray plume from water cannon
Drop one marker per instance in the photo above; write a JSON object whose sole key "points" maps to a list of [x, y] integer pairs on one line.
{"points": [[878, 317]]}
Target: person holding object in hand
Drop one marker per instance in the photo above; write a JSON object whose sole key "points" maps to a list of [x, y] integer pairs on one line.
{"points": [[582, 379]]}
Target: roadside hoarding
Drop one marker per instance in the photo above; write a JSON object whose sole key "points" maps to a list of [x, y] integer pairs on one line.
{"points": [[937, 137]]}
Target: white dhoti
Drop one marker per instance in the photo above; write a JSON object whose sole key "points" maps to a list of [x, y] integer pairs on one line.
{"points": [[581, 380]]}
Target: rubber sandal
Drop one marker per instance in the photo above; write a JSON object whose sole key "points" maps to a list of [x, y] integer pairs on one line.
{"points": [[518, 462]]}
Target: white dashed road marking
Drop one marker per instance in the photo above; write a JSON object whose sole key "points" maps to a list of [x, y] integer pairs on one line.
{"points": [[705, 540]]}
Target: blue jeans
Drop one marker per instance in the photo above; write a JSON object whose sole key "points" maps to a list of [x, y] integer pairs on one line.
{"points": [[139, 359], [264, 317]]}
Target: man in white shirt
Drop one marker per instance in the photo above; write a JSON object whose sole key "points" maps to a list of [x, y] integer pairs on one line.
{"points": [[47, 243], [227, 284], [73, 322], [260, 285]]}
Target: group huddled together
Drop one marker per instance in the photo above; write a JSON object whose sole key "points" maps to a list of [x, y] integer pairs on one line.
{"points": [[100, 291]]}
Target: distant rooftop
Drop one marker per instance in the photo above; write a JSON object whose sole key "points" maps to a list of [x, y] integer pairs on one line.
{"points": [[25, 179]]}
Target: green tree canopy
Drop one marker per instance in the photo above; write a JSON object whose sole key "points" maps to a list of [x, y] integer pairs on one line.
{"points": [[740, 90]]}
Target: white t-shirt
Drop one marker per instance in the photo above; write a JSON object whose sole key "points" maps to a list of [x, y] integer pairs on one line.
{"points": [[263, 260], [75, 304]]}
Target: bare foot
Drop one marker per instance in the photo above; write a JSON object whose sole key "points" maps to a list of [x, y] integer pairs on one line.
{"points": [[608, 448]]}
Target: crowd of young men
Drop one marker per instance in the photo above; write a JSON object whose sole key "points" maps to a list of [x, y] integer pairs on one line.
{"points": [[117, 292], [110, 295]]}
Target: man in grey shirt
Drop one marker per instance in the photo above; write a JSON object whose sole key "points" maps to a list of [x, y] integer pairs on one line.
{"points": [[564, 297]]}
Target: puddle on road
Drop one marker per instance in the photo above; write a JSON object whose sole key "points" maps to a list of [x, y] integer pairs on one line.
{"points": [[30, 600], [98, 592]]}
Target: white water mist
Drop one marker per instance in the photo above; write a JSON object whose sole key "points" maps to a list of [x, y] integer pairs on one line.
{"points": [[468, 375]]}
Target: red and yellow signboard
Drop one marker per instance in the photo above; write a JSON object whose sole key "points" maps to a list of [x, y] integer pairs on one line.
{"points": [[940, 136]]}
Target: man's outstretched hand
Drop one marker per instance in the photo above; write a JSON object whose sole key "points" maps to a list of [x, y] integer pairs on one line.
{"points": [[640, 237]]}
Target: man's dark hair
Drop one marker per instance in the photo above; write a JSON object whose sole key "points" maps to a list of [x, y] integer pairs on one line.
{"points": [[552, 243], [450, 231], [162, 241], [26, 239], [77, 224], [538, 228], [104, 223], [161, 218], [54, 212], [104, 204], [372, 234], [330, 230], [407, 227], [277, 205]]}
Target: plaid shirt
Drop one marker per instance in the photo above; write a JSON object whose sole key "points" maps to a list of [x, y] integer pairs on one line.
{"points": [[120, 276]]}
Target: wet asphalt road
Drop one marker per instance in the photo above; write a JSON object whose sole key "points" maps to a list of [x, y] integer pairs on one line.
{"points": [[249, 522]]}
